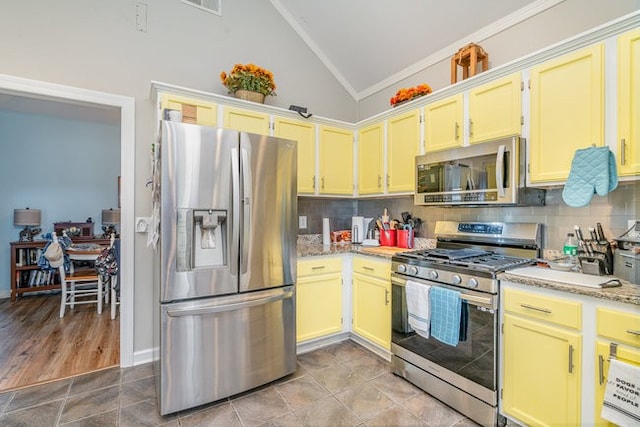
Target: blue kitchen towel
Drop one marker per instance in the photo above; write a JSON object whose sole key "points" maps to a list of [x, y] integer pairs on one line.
{"points": [[593, 170], [446, 307]]}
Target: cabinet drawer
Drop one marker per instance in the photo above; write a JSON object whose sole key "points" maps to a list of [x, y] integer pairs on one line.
{"points": [[619, 326], [372, 267], [321, 265], [555, 310]]}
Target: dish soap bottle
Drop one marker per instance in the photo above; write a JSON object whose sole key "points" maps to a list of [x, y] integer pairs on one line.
{"points": [[570, 249]]}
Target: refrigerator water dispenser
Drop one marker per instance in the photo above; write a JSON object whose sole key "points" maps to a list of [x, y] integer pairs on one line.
{"points": [[209, 238]]}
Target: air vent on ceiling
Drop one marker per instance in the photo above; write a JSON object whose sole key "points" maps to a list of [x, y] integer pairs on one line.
{"points": [[212, 6]]}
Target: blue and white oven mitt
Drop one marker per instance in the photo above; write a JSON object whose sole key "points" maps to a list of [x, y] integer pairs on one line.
{"points": [[593, 170]]}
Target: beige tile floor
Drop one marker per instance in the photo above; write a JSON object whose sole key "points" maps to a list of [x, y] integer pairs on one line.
{"points": [[340, 385]]}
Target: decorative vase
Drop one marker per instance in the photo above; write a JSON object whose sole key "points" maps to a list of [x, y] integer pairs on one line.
{"points": [[249, 95]]}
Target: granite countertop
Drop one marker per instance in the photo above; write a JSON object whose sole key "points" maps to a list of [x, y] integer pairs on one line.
{"points": [[627, 293], [311, 245]]}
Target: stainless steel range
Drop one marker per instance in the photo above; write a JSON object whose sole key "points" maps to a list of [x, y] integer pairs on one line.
{"points": [[467, 258]]}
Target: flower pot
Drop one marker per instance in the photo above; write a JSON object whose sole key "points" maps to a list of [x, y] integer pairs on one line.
{"points": [[249, 95]]}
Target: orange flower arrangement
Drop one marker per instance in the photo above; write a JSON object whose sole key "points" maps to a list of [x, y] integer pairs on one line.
{"points": [[405, 94], [249, 77]]}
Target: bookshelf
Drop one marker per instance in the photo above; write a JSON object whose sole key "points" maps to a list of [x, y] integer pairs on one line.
{"points": [[26, 276]]}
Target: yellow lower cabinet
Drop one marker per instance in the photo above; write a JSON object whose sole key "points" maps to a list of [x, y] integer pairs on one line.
{"points": [[372, 300], [623, 329], [372, 310], [318, 298], [541, 375], [624, 354]]}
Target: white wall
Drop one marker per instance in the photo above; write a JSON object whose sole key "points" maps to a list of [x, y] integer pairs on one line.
{"points": [[66, 168]]}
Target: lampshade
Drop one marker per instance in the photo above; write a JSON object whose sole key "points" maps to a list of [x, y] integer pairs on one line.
{"points": [[111, 216], [28, 217]]}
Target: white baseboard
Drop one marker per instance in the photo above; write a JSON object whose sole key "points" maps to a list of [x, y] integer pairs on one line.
{"points": [[5, 294], [385, 354], [145, 356], [151, 354], [316, 344]]}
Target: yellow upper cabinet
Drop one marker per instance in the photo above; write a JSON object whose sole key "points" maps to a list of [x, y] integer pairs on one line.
{"points": [[370, 160], [443, 124], [567, 111], [193, 111], [495, 109], [305, 134], [246, 121], [628, 155], [403, 139], [336, 161]]}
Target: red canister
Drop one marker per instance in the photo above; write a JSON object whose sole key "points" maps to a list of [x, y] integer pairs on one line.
{"points": [[388, 237]]}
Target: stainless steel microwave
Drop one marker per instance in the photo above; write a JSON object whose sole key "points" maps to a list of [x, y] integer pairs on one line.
{"points": [[490, 173]]}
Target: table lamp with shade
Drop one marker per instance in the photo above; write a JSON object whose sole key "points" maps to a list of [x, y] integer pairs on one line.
{"points": [[110, 219], [28, 218]]}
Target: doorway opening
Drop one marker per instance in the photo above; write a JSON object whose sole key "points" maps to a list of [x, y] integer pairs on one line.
{"points": [[34, 98]]}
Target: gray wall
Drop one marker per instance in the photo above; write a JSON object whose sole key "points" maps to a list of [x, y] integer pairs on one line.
{"points": [[94, 44], [566, 19]]}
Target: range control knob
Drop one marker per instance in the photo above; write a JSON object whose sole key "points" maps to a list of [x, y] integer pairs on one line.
{"points": [[456, 280], [402, 268], [413, 271], [473, 282], [433, 275]]}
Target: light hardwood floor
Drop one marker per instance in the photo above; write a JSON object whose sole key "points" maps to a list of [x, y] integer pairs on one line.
{"points": [[37, 346]]}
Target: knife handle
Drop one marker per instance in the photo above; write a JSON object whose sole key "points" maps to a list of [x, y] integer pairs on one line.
{"points": [[600, 232]]}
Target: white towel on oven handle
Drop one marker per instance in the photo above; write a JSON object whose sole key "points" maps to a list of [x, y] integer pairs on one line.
{"points": [[621, 398], [418, 309]]}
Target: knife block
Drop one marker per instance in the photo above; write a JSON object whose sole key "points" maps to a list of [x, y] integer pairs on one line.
{"points": [[601, 262]]}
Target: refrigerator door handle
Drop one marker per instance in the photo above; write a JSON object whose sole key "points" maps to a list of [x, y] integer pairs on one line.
{"points": [[245, 167], [228, 307], [235, 203]]}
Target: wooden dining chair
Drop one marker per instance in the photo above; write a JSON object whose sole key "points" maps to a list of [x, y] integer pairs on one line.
{"points": [[86, 285]]}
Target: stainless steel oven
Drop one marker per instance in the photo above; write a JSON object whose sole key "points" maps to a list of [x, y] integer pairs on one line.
{"points": [[469, 366], [467, 260]]}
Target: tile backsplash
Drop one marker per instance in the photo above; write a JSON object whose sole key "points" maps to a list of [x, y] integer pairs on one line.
{"points": [[612, 211]]}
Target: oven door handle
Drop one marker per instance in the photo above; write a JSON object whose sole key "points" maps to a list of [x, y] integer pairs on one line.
{"points": [[473, 298]]}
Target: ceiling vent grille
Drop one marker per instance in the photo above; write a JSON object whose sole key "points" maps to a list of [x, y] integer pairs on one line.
{"points": [[211, 6]]}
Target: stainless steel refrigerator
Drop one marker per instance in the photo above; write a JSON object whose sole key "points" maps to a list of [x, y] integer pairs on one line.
{"points": [[227, 263]]}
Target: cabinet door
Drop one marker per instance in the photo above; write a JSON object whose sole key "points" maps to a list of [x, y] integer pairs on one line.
{"points": [[443, 124], [305, 134], [246, 121], [403, 141], [541, 375], [370, 160], [372, 309], [193, 111], [318, 306], [567, 111], [624, 354], [629, 104], [336, 161], [495, 109]]}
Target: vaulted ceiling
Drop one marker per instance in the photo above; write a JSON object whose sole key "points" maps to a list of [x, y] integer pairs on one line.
{"points": [[371, 44]]}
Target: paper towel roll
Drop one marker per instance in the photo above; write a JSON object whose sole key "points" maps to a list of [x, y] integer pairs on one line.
{"points": [[326, 230]]}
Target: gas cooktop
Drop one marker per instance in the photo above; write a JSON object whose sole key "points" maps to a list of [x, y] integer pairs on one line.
{"points": [[472, 259]]}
